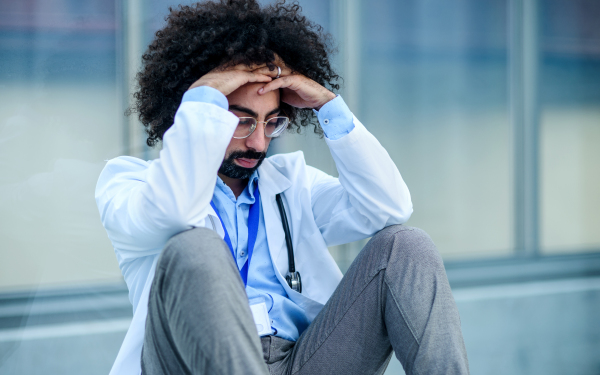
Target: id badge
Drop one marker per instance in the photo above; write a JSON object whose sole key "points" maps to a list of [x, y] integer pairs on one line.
{"points": [[261, 316]]}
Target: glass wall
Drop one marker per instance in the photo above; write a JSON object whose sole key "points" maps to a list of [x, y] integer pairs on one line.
{"points": [[491, 112], [434, 84], [59, 121], [570, 126], [431, 81]]}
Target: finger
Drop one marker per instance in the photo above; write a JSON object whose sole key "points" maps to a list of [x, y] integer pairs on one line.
{"points": [[256, 77], [290, 82], [248, 68], [239, 67], [285, 71]]}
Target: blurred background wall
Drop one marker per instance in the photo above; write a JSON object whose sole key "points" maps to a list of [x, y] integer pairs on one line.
{"points": [[490, 109]]}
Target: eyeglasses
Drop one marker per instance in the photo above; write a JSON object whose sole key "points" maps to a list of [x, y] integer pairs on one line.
{"points": [[273, 127]]}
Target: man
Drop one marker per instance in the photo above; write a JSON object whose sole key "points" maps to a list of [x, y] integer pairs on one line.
{"points": [[200, 232]]}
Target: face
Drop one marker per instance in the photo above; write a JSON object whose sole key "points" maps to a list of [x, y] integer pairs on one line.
{"points": [[243, 156]]}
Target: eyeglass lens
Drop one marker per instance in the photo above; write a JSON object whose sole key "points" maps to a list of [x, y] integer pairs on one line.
{"points": [[272, 127]]}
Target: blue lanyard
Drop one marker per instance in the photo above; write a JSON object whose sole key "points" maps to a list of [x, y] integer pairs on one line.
{"points": [[253, 218]]}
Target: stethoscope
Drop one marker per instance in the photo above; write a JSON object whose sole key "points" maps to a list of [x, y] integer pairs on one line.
{"points": [[293, 277]]}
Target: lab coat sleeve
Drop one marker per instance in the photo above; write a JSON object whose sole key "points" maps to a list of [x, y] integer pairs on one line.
{"points": [[144, 205], [369, 194]]}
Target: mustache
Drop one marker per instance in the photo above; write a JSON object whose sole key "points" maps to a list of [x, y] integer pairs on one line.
{"points": [[249, 154], [232, 170]]}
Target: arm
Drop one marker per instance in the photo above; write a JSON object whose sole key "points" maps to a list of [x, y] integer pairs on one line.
{"points": [[143, 210], [370, 193], [142, 205]]}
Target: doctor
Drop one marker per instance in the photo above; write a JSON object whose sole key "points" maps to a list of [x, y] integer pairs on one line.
{"points": [[224, 251]]}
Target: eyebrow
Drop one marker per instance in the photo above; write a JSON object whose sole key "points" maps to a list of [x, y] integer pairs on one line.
{"points": [[251, 112]]}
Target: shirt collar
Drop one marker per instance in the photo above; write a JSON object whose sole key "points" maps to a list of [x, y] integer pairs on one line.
{"points": [[248, 191], [253, 184]]}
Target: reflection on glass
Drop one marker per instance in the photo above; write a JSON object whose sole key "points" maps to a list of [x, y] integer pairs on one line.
{"points": [[62, 310], [570, 126], [435, 79], [58, 122]]}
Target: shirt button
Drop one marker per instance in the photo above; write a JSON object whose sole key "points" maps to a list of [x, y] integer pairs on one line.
{"points": [[242, 253], [326, 121]]}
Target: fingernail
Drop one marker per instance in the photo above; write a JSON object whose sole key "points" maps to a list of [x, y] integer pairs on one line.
{"points": [[260, 91]]}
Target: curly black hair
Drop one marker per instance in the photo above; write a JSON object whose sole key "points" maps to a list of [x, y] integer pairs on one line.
{"points": [[203, 36]]}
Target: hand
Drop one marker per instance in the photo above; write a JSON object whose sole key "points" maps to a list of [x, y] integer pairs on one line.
{"points": [[297, 90], [227, 80]]}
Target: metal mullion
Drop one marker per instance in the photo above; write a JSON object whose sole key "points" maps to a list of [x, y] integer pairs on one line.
{"points": [[121, 69], [524, 63], [131, 51], [346, 24]]}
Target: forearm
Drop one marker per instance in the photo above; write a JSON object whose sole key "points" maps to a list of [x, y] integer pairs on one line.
{"points": [[181, 182], [143, 204], [369, 184], [371, 178]]}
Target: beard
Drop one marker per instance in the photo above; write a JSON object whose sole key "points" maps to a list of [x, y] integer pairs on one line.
{"points": [[230, 169]]}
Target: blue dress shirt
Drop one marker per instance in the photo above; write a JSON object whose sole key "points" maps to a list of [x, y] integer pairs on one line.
{"points": [[288, 320]]}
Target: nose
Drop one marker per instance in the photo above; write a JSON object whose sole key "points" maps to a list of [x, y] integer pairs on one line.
{"points": [[257, 140]]}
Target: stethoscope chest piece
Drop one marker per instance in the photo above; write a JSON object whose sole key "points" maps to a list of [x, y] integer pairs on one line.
{"points": [[294, 281]]}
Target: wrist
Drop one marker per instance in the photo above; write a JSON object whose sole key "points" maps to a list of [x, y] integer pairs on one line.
{"points": [[328, 97], [210, 81], [206, 94]]}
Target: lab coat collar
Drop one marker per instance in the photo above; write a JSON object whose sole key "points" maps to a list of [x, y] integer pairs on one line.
{"points": [[272, 181]]}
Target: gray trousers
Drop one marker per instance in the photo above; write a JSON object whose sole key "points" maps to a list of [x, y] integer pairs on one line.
{"points": [[395, 297]]}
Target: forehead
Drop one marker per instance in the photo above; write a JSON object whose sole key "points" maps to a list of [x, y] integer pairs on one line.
{"points": [[247, 96]]}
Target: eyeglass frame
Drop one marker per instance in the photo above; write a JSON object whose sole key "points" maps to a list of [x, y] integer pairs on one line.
{"points": [[256, 122]]}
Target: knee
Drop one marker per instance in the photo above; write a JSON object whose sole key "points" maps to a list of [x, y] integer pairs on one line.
{"points": [[194, 260], [196, 249], [409, 245]]}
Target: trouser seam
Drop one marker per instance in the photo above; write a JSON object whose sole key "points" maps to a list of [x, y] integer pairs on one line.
{"points": [[412, 332], [408, 324], [337, 323]]}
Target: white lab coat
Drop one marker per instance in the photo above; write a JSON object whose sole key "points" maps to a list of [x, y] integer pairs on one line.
{"points": [[142, 204]]}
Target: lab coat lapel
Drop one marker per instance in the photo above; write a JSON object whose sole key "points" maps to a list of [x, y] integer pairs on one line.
{"points": [[272, 182]]}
